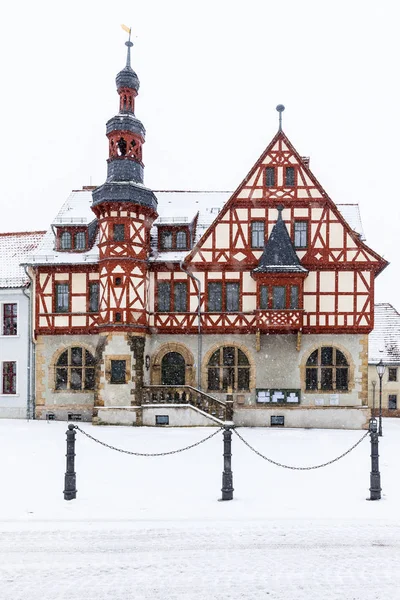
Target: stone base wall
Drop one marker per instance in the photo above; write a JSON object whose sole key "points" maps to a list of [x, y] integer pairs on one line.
{"points": [[316, 418], [182, 416], [118, 416]]}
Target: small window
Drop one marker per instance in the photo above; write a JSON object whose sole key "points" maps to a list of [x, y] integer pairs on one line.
{"points": [[392, 402], [181, 241], [392, 374], [62, 298], [277, 421], [300, 234], [166, 240], [118, 371], [119, 232], [118, 281], [263, 297], [214, 293], [294, 296], [162, 420], [257, 234], [80, 240], [10, 319], [270, 177], [232, 297], [289, 176], [278, 297], [118, 317], [164, 297], [66, 241], [180, 297], [94, 290], [9, 377]]}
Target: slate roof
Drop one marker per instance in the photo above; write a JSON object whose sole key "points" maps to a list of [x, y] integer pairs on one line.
{"points": [[279, 255], [14, 248], [384, 340], [174, 207]]}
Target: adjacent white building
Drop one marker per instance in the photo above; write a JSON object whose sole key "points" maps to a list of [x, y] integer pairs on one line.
{"points": [[16, 354], [384, 345]]}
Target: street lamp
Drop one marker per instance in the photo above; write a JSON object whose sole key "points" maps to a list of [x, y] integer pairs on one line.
{"points": [[380, 367]]}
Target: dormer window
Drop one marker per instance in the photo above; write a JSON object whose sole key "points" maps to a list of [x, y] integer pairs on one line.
{"points": [[166, 240], [181, 241], [66, 241], [80, 241], [173, 238]]}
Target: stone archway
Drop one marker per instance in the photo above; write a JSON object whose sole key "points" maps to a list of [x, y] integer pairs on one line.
{"points": [[172, 347]]}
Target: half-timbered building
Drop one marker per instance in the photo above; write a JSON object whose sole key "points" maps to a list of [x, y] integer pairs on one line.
{"points": [[177, 307]]}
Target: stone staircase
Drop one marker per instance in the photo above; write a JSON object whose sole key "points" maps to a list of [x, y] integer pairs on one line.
{"points": [[218, 410]]}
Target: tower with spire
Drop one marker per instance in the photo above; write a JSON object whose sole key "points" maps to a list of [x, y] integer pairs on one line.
{"points": [[125, 210]]}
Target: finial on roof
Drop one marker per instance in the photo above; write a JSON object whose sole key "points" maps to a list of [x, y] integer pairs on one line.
{"points": [[280, 108], [279, 208], [128, 43]]}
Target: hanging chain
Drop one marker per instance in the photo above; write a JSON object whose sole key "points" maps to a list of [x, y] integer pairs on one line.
{"points": [[300, 468], [148, 453]]}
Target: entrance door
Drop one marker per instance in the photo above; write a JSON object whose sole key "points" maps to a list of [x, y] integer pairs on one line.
{"points": [[173, 369]]}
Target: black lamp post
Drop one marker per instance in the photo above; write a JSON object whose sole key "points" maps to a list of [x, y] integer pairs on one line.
{"points": [[380, 367], [373, 399]]}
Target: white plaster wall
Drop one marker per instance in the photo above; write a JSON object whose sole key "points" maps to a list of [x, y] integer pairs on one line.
{"points": [[15, 348]]}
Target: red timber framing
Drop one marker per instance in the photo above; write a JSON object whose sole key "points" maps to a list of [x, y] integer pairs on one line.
{"points": [[339, 286], [123, 265], [78, 319]]}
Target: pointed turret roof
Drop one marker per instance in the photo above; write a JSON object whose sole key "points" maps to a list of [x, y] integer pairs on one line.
{"points": [[279, 255]]}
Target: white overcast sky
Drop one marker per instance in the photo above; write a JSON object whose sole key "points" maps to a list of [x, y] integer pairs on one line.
{"points": [[212, 73]]}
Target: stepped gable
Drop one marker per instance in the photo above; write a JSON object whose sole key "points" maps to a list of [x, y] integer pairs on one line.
{"points": [[279, 255]]}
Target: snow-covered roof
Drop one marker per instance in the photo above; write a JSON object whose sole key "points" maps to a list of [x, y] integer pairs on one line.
{"points": [[351, 214], [175, 207], [384, 340], [76, 209], [14, 248]]}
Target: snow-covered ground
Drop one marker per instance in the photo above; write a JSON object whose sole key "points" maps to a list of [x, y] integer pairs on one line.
{"points": [[152, 528]]}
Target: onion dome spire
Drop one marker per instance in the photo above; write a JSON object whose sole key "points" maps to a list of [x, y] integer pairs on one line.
{"points": [[127, 78], [126, 136]]}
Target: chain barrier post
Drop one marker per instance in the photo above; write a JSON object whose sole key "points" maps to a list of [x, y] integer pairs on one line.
{"points": [[70, 475], [375, 478], [229, 407], [227, 477]]}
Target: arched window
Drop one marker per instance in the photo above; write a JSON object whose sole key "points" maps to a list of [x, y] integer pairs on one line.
{"points": [[327, 369], [65, 242], [80, 240], [181, 242], [75, 370], [228, 369]]}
